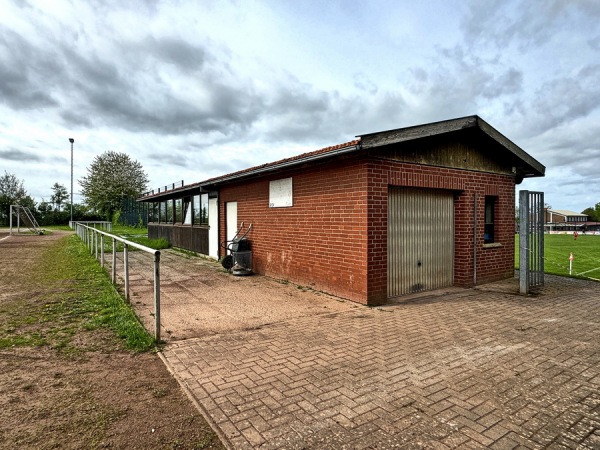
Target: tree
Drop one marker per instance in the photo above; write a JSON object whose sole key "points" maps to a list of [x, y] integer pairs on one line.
{"points": [[59, 196], [111, 177], [593, 213], [12, 192], [11, 187]]}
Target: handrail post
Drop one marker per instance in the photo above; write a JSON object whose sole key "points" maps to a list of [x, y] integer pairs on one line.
{"points": [[157, 296], [102, 250], [90, 235], [114, 261], [126, 270]]}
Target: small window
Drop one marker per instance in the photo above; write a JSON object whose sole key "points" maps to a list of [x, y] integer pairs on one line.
{"points": [[187, 211], [201, 209], [489, 231], [204, 209], [178, 211]]}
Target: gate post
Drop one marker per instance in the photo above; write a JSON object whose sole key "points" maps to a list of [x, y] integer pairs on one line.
{"points": [[523, 242], [531, 240]]}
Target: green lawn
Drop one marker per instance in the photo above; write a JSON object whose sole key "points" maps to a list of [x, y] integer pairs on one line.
{"points": [[558, 247], [70, 293]]}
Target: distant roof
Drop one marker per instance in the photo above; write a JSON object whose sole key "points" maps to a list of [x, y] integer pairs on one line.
{"points": [[565, 212], [527, 165]]}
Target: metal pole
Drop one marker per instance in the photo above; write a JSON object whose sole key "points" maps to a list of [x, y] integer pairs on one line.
{"points": [[126, 270], [102, 250], [96, 242], [157, 296], [475, 239], [71, 140], [114, 261], [10, 219]]}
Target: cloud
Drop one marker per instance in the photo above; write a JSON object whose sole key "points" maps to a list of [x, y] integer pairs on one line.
{"points": [[23, 69], [527, 25], [458, 83], [567, 98], [13, 154]]}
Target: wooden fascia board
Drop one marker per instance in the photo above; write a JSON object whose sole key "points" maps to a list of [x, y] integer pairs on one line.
{"points": [[511, 146], [382, 138], [420, 131]]}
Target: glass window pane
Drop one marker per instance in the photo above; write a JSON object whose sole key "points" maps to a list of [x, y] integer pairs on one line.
{"points": [[188, 211], [169, 211], [196, 210], [204, 209], [488, 233], [178, 211]]}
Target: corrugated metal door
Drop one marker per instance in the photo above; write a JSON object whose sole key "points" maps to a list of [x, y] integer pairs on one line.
{"points": [[420, 240]]}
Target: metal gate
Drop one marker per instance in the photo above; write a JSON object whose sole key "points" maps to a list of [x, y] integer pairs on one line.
{"points": [[420, 240], [531, 240]]}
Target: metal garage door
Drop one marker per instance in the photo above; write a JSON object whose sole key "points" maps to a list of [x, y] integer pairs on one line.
{"points": [[420, 240]]}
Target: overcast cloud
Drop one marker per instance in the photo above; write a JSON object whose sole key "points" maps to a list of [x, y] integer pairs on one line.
{"points": [[194, 90]]}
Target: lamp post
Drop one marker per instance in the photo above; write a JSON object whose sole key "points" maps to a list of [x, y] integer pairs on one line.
{"points": [[71, 140]]}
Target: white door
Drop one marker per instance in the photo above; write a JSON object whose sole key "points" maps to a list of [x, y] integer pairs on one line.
{"points": [[231, 226], [213, 230]]}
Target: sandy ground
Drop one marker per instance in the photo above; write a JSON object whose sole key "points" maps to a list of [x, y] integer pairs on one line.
{"points": [[100, 396], [199, 298]]}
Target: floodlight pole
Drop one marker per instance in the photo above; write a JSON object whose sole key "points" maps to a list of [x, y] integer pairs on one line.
{"points": [[71, 140]]}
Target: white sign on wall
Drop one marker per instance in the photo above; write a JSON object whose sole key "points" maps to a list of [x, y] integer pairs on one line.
{"points": [[280, 193]]}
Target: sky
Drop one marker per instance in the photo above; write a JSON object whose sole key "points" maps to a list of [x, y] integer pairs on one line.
{"points": [[197, 89]]}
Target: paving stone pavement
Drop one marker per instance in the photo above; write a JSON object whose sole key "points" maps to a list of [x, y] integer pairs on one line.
{"points": [[467, 369]]}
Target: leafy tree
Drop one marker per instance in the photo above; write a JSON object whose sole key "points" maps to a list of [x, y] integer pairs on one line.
{"points": [[11, 187], [59, 196], [593, 213], [12, 192], [111, 177]]}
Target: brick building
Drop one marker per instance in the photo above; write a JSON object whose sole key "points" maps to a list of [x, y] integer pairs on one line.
{"points": [[387, 214], [565, 221]]}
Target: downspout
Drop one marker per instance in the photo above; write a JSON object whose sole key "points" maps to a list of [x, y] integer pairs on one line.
{"points": [[474, 239]]}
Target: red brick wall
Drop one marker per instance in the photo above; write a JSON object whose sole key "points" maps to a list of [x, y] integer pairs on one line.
{"points": [[493, 262], [321, 241], [334, 238]]}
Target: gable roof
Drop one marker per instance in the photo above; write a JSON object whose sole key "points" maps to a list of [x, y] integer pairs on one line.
{"points": [[526, 165]]}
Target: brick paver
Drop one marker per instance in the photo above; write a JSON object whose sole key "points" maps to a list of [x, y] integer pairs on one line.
{"points": [[469, 369]]}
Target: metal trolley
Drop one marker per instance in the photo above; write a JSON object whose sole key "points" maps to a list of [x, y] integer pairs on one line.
{"points": [[238, 261]]}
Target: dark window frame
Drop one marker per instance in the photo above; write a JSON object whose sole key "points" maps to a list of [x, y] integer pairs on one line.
{"points": [[489, 221]]}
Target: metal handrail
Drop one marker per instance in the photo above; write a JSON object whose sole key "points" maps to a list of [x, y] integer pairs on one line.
{"points": [[166, 188], [89, 236]]}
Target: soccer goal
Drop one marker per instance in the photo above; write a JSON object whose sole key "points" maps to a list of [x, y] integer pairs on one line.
{"points": [[21, 217]]}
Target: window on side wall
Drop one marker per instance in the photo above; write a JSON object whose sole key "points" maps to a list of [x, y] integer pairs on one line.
{"points": [[178, 211], [489, 233], [187, 210], [204, 209], [196, 210]]}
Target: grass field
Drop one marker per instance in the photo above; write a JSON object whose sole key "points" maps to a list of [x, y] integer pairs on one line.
{"points": [[558, 247]]}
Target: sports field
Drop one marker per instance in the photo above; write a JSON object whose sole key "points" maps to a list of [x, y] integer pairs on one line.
{"points": [[558, 247]]}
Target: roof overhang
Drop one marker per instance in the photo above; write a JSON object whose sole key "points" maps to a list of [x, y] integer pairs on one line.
{"points": [[318, 155], [529, 166]]}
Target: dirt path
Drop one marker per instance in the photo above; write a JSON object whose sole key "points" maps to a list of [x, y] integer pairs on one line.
{"points": [[100, 396], [198, 298]]}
